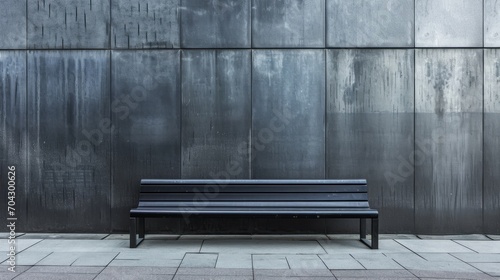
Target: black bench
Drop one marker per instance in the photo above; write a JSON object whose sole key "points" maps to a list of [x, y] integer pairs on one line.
{"points": [[254, 198]]}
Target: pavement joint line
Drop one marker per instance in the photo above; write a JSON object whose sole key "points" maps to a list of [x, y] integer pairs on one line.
{"points": [[44, 258], [31, 245], [321, 259], [201, 245], [357, 261], [286, 259], [405, 246], [106, 236], [464, 246], [319, 243]]}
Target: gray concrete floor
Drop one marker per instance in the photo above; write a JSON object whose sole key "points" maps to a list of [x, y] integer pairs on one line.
{"points": [[103, 256]]}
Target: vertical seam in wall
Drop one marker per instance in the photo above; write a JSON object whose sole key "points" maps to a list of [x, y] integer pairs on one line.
{"points": [[250, 161], [179, 17], [483, 134], [325, 27], [482, 148], [325, 53], [26, 27], [414, 113], [111, 138], [181, 53], [250, 138], [26, 136], [326, 95]]}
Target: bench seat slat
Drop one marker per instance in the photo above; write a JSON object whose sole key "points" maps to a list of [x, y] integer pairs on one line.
{"points": [[178, 182], [269, 212], [313, 188], [256, 204], [255, 196]]}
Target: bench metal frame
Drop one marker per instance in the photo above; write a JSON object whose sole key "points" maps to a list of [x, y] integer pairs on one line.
{"points": [[357, 205]]}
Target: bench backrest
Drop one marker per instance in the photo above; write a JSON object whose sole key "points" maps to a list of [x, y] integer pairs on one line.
{"points": [[254, 193]]}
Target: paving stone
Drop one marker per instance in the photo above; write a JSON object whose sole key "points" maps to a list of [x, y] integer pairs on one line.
{"points": [[172, 246], [398, 236], [433, 246], [343, 236], [60, 258], [376, 261], [448, 23], [234, 261], [439, 257], [492, 269], [201, 277], [135, 277], [262, 247], [8, 275], [436, 266], [23, 244], [215, 271], [61, 245], [449, 274], [138, 270], [65, 269], [199, 260], [51, 276], [454, 237], [29, 258], [146, 262], [353, 246], [95, 259], [5, 235], [294, 278], [371, 274], [292, 272], [70, 236], [405, 257], [478, 257], [305, 262], [289, 237], [150, 255], [270, 262], [210, 237], [341, 261], [482, 246]]}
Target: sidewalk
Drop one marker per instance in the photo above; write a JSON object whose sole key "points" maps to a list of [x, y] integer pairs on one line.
{"points": [[235, 257]]}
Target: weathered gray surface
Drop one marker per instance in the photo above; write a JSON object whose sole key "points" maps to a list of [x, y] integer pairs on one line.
{"points": [[288, 119], [370, 23], [216, 116], [449, 23], [145, 24], [449, 104], [68, 24], [370, 128], [69, 165], [13, 24], [288, 23], [215, 24], [146, 114], [13, 127], [491, 23], [491, 141]]}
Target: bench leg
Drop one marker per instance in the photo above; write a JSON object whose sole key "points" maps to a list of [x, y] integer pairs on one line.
{"points": [[362, 229], [134, 241], [374, 233], [142, 227], [373, 244]]}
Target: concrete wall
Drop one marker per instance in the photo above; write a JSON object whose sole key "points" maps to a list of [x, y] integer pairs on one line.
{"points": [[97, 94]]}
